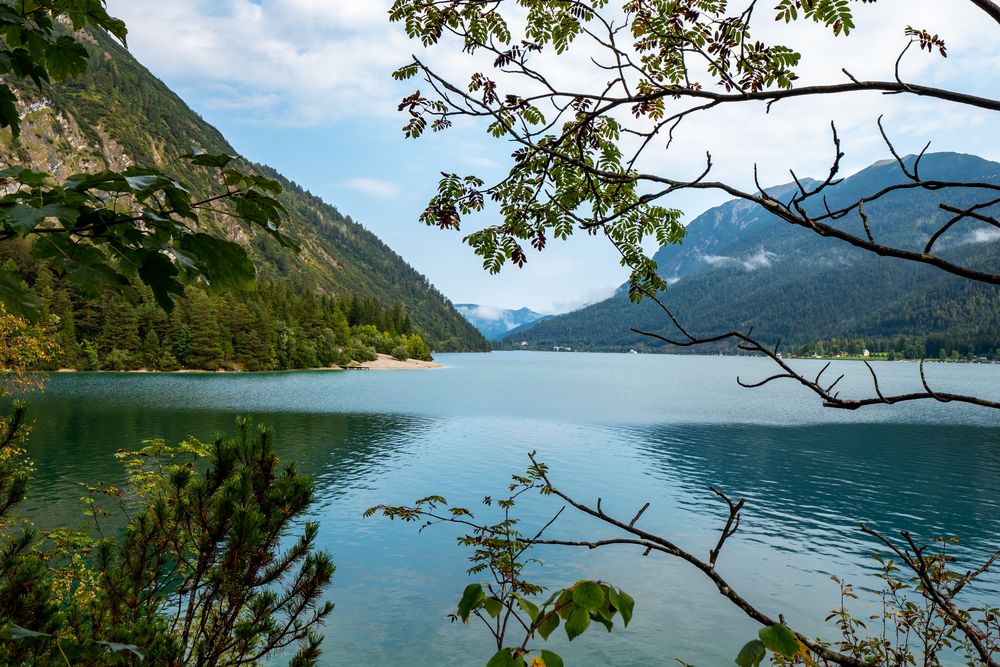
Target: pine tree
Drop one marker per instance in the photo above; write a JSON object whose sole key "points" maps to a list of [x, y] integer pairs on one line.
{"points": [[340, 326], [151, 350], [120, 330], [205, 349]]}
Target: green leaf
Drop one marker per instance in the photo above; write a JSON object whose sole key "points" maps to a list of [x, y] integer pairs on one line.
{"points": [[613, 599], [472, 598], [23, 219], [588, 594], [209, 160], [625, 606], [13, 632], [66, 58], [24, 176], [548, 625], [751, 654], [577, 623], [551, 659], [492, 606], [780, 639], [142, 182], [223, 264], [504, 659], [267, 184], [528, 607], [9, 117], [603, 619], [159, 273], [565, 603], [16, 296]]}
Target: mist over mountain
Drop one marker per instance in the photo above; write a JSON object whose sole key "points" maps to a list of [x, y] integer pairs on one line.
{"points": [[495, 323]]}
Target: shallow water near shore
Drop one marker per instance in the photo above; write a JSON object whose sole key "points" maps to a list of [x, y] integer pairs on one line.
{"points": [[627, 428]]}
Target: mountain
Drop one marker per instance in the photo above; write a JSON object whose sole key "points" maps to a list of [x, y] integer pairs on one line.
{"points": [[118, 114], [740, 266], [495, 323], [513, 333]]}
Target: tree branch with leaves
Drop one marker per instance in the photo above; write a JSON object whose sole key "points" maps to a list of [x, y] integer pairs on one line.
{"points": [[580, 148]]}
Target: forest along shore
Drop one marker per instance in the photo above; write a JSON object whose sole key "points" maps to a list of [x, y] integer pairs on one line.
{"points": [[383, 363]]}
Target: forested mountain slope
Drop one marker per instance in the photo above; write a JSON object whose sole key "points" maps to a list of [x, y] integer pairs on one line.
{"points": [[741, 266], [118, 114]]}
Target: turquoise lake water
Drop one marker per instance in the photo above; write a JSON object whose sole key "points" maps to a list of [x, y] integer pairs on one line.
{"points": [[628, 428]]}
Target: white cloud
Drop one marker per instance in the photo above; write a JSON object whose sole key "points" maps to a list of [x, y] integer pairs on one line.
{"points": [[762, 259], [984, 236], [314, 62], [486, 312], [590, 296], [319, 59], [327, 64], [373, 187]]}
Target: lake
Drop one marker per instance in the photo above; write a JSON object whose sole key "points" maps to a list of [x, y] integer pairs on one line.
{"points": [[627, 428]]}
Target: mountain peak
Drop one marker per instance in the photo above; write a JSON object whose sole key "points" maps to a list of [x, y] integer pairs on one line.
{"points": [[495, 323]]}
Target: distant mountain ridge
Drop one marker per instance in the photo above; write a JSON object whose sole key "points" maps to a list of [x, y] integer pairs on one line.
{"points": [[495, 323], [118, 114], [740, 266]]}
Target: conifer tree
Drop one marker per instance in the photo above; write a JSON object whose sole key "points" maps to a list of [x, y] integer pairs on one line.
{"points": [[120, 330], [205, 350], [151, 351]]}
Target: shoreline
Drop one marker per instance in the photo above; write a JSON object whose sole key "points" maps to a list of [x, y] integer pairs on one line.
{"points": [[384, 362], [928, 360]]}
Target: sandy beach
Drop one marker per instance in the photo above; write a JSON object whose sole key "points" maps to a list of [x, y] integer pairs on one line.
{"points": [[383, 363], [388, 363]]}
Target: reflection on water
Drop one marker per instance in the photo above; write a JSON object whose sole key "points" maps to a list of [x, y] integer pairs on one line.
{"points": [[657, 429], [811, 481]]}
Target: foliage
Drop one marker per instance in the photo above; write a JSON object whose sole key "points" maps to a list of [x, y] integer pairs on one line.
{"points": [[107, 230], [24, 347], [504, 603], [922, 622], [740, 266], [576, 171], [272, 328], [199, 576], [581, 168], [33, 46]]}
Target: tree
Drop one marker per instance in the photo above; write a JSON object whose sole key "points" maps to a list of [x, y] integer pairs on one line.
{"points": [[24, 589], [198, 578], [108, 230], [120, 331], [579, 151], [199, 575], [151, 351], [204, 349], [578, 165]]}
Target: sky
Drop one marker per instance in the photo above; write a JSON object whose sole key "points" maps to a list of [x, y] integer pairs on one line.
{"points": [[305, 86]]}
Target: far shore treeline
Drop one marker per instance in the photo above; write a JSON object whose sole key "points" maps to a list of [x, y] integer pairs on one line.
{"points": [[275, 327]]}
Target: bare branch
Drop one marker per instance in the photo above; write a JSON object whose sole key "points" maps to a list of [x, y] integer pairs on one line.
{"points": [[746, 342]]}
